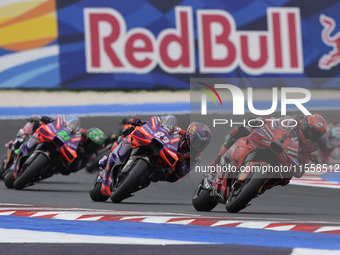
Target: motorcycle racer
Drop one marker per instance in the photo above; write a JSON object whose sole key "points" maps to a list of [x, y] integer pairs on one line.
{"points": [[86, 150], [196, 137], [308, 131], [33, 123]]}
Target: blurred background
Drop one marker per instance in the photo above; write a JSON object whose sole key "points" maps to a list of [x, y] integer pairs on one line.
{"points": [[150, 44]]}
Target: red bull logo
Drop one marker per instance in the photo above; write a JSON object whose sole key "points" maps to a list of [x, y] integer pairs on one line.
{"points": [[110, 48], [331, 59]]}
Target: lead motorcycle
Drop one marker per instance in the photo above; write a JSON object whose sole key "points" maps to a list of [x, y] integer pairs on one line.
{"points": [[54, 148], [252, 165], [137, 157]]}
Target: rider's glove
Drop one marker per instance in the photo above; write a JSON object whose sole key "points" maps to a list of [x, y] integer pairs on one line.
{"points": [[46, 119], [135, 121]]}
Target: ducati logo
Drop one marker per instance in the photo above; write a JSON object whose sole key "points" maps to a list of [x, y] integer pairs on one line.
{"points": [[331, 59]]}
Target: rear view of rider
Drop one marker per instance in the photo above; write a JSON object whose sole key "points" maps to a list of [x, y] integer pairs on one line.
{"points": [[309, 131], [91, 141], [197, 137]]}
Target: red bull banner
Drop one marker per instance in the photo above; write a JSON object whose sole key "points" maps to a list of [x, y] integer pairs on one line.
{"points": [[148, 44]]}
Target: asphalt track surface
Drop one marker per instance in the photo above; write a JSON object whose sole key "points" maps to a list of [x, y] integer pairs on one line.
{"points": [[291, 202]]}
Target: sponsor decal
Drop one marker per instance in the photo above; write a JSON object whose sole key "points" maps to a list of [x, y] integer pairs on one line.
{"points": [[111, 48], [291, 152], [331, 59], [266, 132]]}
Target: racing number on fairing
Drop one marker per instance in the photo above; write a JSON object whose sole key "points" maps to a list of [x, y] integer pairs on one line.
{"points": [[161, 136], [64, 135]]}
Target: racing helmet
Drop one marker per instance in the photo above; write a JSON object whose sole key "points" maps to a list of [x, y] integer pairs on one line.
{"points": [[199, 136], [313, 127], [72, 123], [95, 140]]}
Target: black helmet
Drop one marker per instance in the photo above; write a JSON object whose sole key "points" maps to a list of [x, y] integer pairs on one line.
{"points": [[313, 127]]}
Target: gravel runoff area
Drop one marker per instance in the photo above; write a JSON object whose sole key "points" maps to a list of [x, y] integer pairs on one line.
{"points": [[12, 98]]}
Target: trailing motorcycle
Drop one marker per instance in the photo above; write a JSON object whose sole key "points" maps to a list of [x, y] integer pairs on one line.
{"points": [[253, 164], [54, 148], [13, 148], [137, 157]]}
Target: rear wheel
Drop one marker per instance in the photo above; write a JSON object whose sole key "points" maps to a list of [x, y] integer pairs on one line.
{"points": [[202, 201], [128, 182], [243, 193], [26, 177]]}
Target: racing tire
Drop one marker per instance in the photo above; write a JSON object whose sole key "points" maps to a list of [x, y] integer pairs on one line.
{"points": [[9, 180], [41, 161], [124, 188], [95, 193], [4, 173], [202, 201], [248, 192]]}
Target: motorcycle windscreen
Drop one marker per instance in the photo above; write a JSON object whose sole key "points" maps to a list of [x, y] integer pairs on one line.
{"points": [[169, 120]]}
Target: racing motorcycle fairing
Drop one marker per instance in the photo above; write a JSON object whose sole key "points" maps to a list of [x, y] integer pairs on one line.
{"points": [[263, 147], [56, 132], [49, 139], [149, 142], [153, 133]]}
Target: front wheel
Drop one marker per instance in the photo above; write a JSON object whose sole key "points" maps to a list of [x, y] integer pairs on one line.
{"points": [[4, 170], [202, 201], [95, 192], [239, 198], [27, 176], [9, 179], [128, 182]]}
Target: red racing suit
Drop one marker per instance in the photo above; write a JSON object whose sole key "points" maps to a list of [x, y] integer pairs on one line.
{"points": [[307, 150]]}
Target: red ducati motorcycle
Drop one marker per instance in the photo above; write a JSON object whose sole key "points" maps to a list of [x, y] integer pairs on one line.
{"points": [[263, 159]]}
